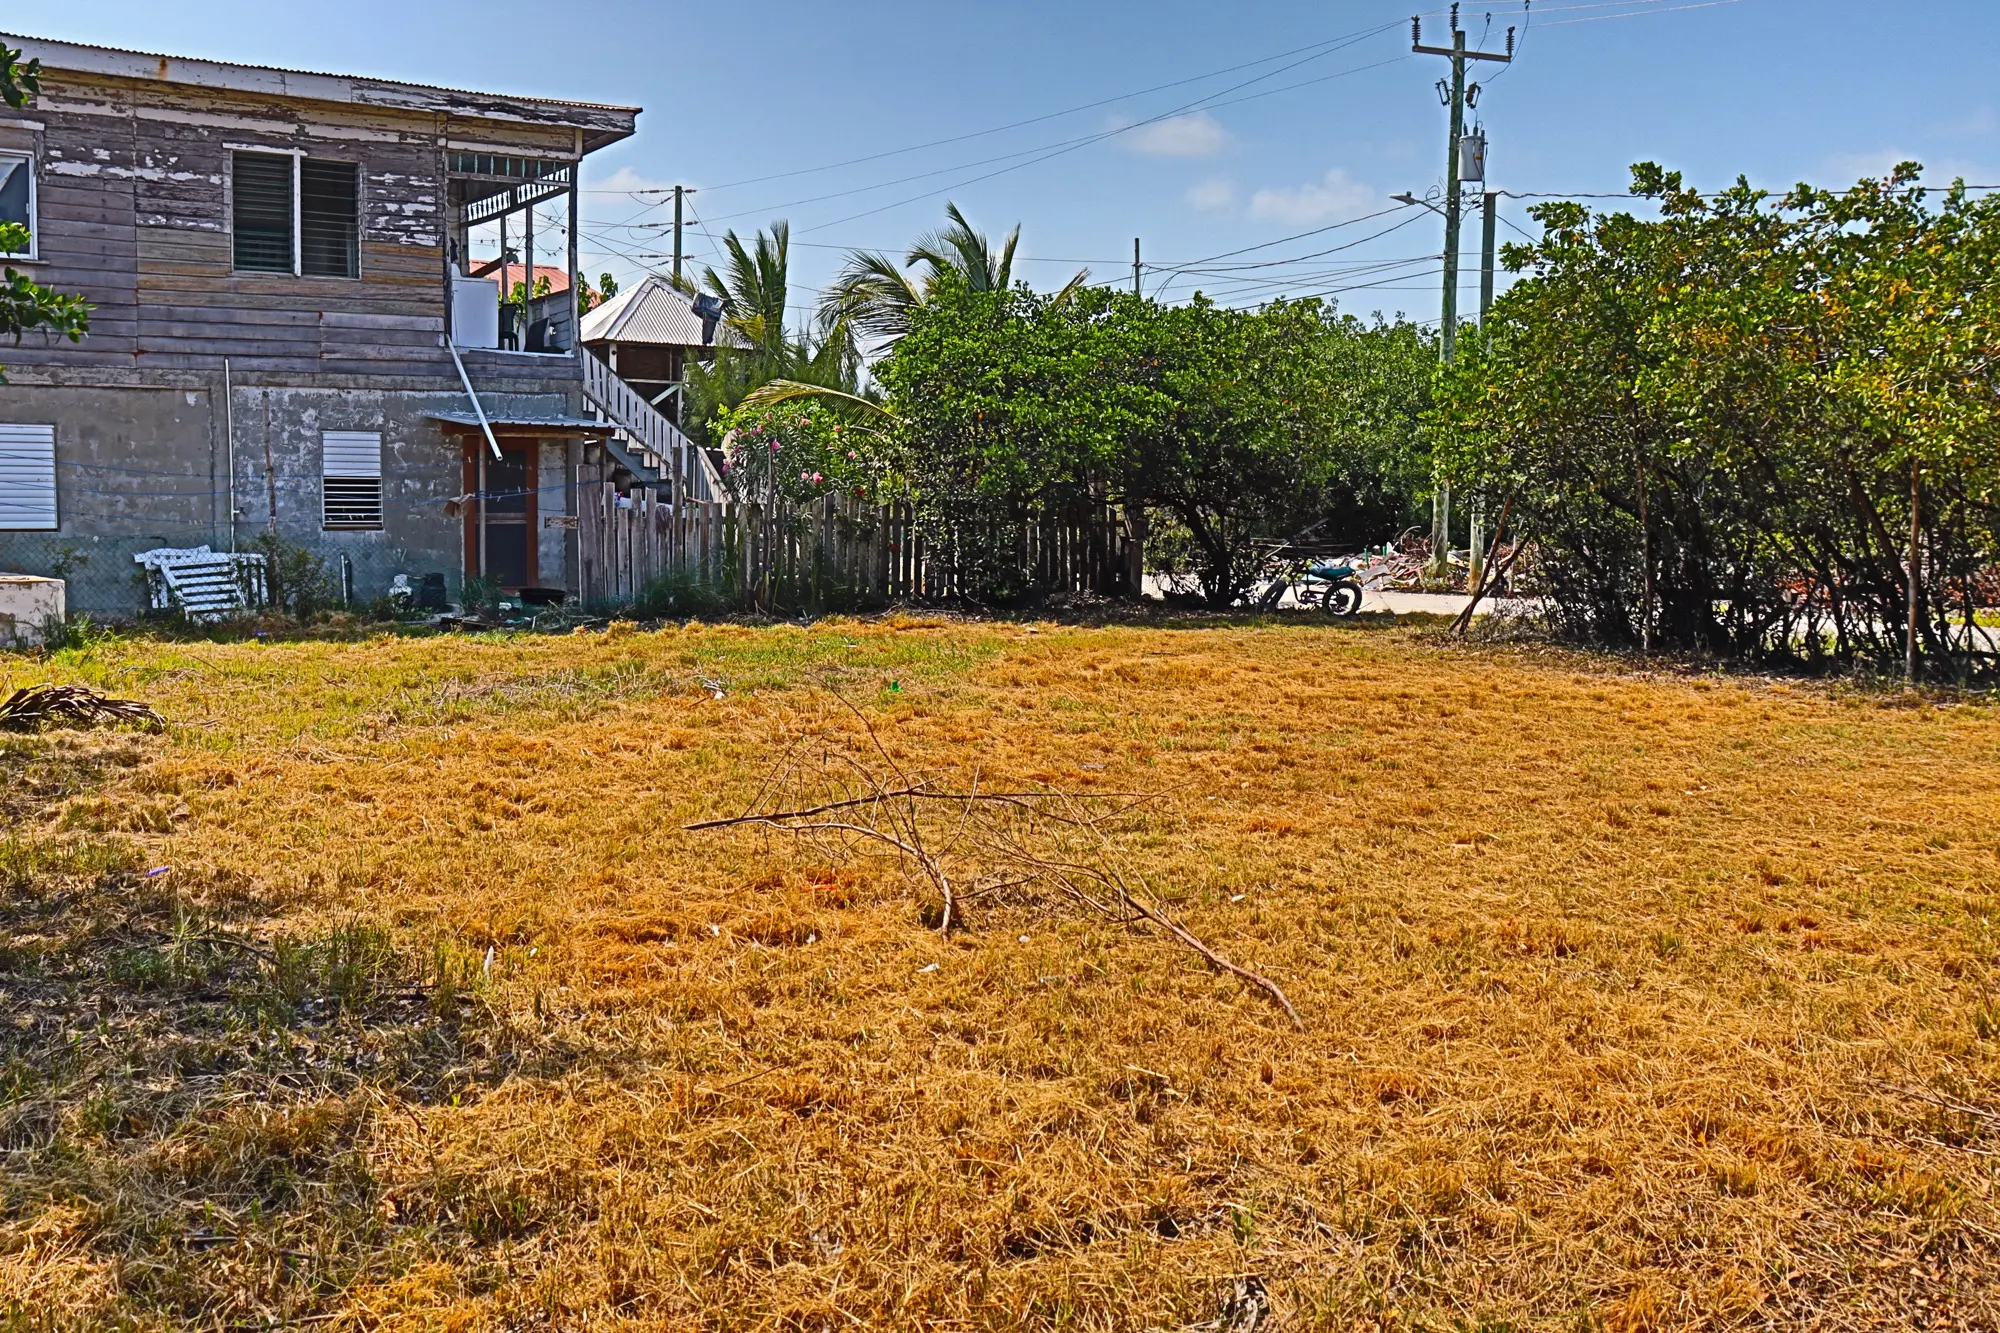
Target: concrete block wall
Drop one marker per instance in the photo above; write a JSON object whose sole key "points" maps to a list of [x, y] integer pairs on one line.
{"points": [[144, 466]]}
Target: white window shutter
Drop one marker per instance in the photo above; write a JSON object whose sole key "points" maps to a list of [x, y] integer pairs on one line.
{"points": [[351, 478], [28, 478]]}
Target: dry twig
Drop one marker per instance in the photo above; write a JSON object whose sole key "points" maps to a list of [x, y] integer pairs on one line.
{"points": [[1018, 839]]}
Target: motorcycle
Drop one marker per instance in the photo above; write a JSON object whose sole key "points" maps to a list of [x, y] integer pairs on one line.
{"points": [[1326, 585], [1330, 586]]}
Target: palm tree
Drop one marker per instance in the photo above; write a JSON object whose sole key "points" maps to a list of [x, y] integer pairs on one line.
{"points": [[874, 296], [758, 285], [754, 290]]}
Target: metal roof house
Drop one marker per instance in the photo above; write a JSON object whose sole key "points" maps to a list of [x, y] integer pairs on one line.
{"points": [[650, 331], [287, 336]]}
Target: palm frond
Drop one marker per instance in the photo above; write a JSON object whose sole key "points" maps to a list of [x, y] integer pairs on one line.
{"points": [[784, 391], [872, 296], [1070, 288], [1003, 276]]}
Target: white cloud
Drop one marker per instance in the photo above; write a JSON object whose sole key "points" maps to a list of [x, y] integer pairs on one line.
{"points": [[1213, 196], [1333, 197], [1978, 123], [1843, 169], [627, 181], [1197, 134]]}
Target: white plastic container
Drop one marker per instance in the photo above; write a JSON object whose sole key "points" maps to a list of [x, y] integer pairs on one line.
{"points": [[27, 603]]}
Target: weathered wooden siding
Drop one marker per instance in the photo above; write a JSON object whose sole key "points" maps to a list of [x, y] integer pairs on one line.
{"points": [[134, 214]]}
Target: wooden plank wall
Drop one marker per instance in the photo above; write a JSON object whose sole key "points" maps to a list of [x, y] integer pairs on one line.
{"points": [[841, 552], [134, 214]]}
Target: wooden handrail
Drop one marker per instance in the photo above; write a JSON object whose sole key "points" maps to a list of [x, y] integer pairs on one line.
{"points": [[671, 451]]}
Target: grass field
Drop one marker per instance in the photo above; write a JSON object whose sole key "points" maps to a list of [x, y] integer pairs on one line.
{"points": [[1629, 1001]]}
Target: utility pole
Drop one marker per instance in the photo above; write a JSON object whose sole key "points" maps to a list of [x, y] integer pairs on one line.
{"points": [[679, 192], [1135, 266], [1457, 97], [1489, 235]]}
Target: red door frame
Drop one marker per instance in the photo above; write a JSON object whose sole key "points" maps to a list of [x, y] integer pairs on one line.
{"points": [[475, 509]]}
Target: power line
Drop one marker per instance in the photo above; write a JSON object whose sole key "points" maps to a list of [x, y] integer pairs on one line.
{"points": [[1018, 124], [1317, 231], [1393, 271], [1297, 259], [1063, 149], [1050, 150], [1225, 282], [1641, 13]]}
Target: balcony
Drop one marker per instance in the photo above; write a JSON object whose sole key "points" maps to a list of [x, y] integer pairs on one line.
{"points": [[500, 298]]}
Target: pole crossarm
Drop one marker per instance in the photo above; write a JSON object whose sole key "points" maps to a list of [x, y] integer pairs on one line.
{"points": [[1468, 53]]}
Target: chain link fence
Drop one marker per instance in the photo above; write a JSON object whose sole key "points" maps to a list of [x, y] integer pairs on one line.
{"points": [[106, 583]]}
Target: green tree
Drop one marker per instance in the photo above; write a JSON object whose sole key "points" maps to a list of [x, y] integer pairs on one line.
{"points": [[1275, 424], [754, 290], [1708, 424], [1236, 428], [27, 306], [874, 296], [588, 298], [1001, 404]]}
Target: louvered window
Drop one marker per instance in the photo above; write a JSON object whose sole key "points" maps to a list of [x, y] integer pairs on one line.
{"points": [[17, 198], [28, 478], [263, 212], [297, 215], [329, 219], [351, 478]]}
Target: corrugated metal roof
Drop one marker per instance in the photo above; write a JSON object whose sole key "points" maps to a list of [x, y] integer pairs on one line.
{"points": [[274, 79], [655, 314], [492, 268], [552, 425]]}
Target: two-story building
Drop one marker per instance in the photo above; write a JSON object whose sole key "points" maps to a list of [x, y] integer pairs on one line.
{"points": [[287, 336]]}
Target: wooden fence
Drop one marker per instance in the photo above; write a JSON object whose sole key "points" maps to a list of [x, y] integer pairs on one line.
{"points": [[840, 551]]}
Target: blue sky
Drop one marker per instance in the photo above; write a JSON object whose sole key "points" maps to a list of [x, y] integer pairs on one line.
{"points": [[738, 96]]}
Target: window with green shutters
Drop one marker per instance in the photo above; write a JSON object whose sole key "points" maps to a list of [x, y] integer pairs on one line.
{"points": [[329, 219], [275, 193], [262, 187]]}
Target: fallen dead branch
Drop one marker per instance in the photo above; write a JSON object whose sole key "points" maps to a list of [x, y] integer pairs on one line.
{"points": [[1950, 1104], [843, 792], [35, 706]]}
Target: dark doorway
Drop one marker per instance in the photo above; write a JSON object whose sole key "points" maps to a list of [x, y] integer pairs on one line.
{"points": [[504, 528]]}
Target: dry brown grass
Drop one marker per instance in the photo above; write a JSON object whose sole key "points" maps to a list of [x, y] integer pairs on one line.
{"points": [[1630, 1003]]}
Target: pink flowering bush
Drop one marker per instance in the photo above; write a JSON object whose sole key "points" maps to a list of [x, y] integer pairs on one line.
{"points": [[797, 452]]}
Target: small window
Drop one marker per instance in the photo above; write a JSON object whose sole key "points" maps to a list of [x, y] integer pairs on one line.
{"points": [[28, 478], [17, 199], [329, 219], [297, 215], [263, 212], [351, 478]]}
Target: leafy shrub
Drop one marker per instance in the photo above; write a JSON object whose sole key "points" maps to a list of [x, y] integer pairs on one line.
{"points": [[297, 581], [797, 453]]}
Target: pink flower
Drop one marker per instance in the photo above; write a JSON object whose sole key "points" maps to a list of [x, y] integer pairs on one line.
{"points": [[851, 454], [805, 476], [817, 478], [774, 446]]}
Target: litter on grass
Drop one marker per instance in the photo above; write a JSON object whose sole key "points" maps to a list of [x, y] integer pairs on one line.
{"points": [[35, 706]]}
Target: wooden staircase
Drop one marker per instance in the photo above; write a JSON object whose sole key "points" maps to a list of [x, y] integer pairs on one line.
{"points": [[645, 443]]}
